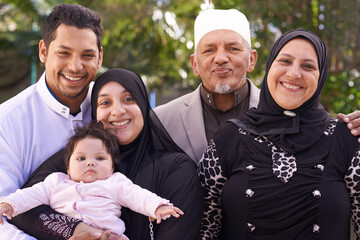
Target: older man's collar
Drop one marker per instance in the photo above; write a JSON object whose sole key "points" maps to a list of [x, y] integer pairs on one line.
{"points": [[240, 95]]}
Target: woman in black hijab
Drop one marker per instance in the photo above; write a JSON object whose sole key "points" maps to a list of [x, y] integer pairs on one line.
{"points": [[148, 156], [287, 170], [152, 160]]}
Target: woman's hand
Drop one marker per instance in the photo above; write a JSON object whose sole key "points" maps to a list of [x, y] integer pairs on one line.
{"points": [[164, 212], [5, 210]]}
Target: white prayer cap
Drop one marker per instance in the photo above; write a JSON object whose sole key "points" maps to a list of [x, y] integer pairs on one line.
{"points": [[215, 19]]}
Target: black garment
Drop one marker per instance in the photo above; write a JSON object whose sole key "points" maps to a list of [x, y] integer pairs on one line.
{"points": [[154, 162], [292, 133], [315, 203]]}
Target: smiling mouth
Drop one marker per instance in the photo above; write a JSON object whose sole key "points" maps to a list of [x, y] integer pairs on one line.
{"points": [[120, 123], [289, 86], [71, 78]]}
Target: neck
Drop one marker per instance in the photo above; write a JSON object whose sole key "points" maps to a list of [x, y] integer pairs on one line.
{"points": [[224, 102], [73, 103]]}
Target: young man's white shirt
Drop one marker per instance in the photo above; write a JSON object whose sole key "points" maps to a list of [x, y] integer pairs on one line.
{"points": [[33, 126]]}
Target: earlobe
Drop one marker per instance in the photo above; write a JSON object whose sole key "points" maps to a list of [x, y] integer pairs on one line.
{"points": [[42, 51]]}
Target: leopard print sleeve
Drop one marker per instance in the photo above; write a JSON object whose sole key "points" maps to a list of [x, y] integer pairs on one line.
{"points": [[213, 182], [353, 184]]}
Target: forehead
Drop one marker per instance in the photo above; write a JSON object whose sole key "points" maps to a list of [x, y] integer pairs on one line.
{"points": [[74, 38], [222, 36], [110, 88], [301, 48]]}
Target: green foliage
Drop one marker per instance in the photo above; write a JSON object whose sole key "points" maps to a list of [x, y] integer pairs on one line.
{"points": [[139, 35]]}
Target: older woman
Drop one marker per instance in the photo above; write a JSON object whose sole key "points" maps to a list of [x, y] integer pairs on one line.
{"points": [[149, 158], [287, 170]]}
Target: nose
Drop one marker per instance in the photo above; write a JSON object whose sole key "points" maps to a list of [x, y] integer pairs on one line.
{"points": [[293, 72], [75, 64], [118, 109], [221, 56], [90, 163]]}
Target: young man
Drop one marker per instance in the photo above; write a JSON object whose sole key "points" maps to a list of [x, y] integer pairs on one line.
{"points": [[222, 58], [38, 121]]}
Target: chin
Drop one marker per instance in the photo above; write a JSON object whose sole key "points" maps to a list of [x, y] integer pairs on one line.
{"points": [[223, 89]]}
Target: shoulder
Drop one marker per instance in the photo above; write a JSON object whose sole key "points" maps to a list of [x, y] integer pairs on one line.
{"points": [[342, 135], [56, 177], [178, 102], [19, 104]]}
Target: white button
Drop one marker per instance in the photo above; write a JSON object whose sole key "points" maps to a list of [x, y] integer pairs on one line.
{"points": [[317, 194], [320, 166], [316, 228], [251, 227], [250, 167], [289, 113], [249, 193]]}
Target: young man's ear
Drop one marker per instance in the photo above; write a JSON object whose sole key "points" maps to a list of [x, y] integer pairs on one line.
{"points": [[42, 51]]}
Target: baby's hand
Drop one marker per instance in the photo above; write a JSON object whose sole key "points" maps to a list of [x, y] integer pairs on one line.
{"points": [[5, 210], [164, 212]]}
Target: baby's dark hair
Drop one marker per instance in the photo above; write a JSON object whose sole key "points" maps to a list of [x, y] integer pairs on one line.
{"points": [[93, 130]]}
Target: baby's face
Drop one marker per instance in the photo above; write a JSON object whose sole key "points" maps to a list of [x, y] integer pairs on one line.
{"points": [[90, 161]]}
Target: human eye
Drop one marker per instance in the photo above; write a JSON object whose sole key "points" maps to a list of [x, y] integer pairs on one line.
{"points": [[284, 60], [207, 50], [234, 49], [63, 53], [129, 99], [80, 158], [103, 102], [309, 66], [89, 56], [100, 158]]}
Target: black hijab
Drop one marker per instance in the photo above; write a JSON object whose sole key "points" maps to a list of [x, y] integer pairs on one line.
{"points": [[153, 136], [292, 133]]}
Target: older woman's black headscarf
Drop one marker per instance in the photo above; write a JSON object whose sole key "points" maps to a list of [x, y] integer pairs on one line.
{"points": [[139, 153], [292, 133]]}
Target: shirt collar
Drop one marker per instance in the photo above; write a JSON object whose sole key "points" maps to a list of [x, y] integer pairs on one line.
{"points": [[58, 107], [240, 95]]}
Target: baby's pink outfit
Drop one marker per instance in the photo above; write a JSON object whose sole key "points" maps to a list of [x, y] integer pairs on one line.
{"points": [[97, 204]]}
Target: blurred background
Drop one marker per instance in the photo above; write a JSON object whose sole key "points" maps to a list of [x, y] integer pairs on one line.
{"points": [[155, 39]]}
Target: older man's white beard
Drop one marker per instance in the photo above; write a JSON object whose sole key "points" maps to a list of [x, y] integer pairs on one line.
{"points": [[225, 88]]}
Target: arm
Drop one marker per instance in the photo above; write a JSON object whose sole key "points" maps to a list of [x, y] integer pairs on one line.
{"points": [[140, 199], [354, 191], [182, 187], [353, 122], [27, 198], [11, 175], [44, 217], [213, 182]]}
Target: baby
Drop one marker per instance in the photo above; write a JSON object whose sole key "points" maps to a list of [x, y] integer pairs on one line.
{"points": [[91, 191]]}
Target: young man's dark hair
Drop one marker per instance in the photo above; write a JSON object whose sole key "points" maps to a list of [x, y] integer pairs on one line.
{"points": [[72, 15], [93, 130]]}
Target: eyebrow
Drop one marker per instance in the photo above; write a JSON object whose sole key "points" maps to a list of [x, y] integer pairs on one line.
{"points": [[292, 57], [68, 48], [106, 94]]}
